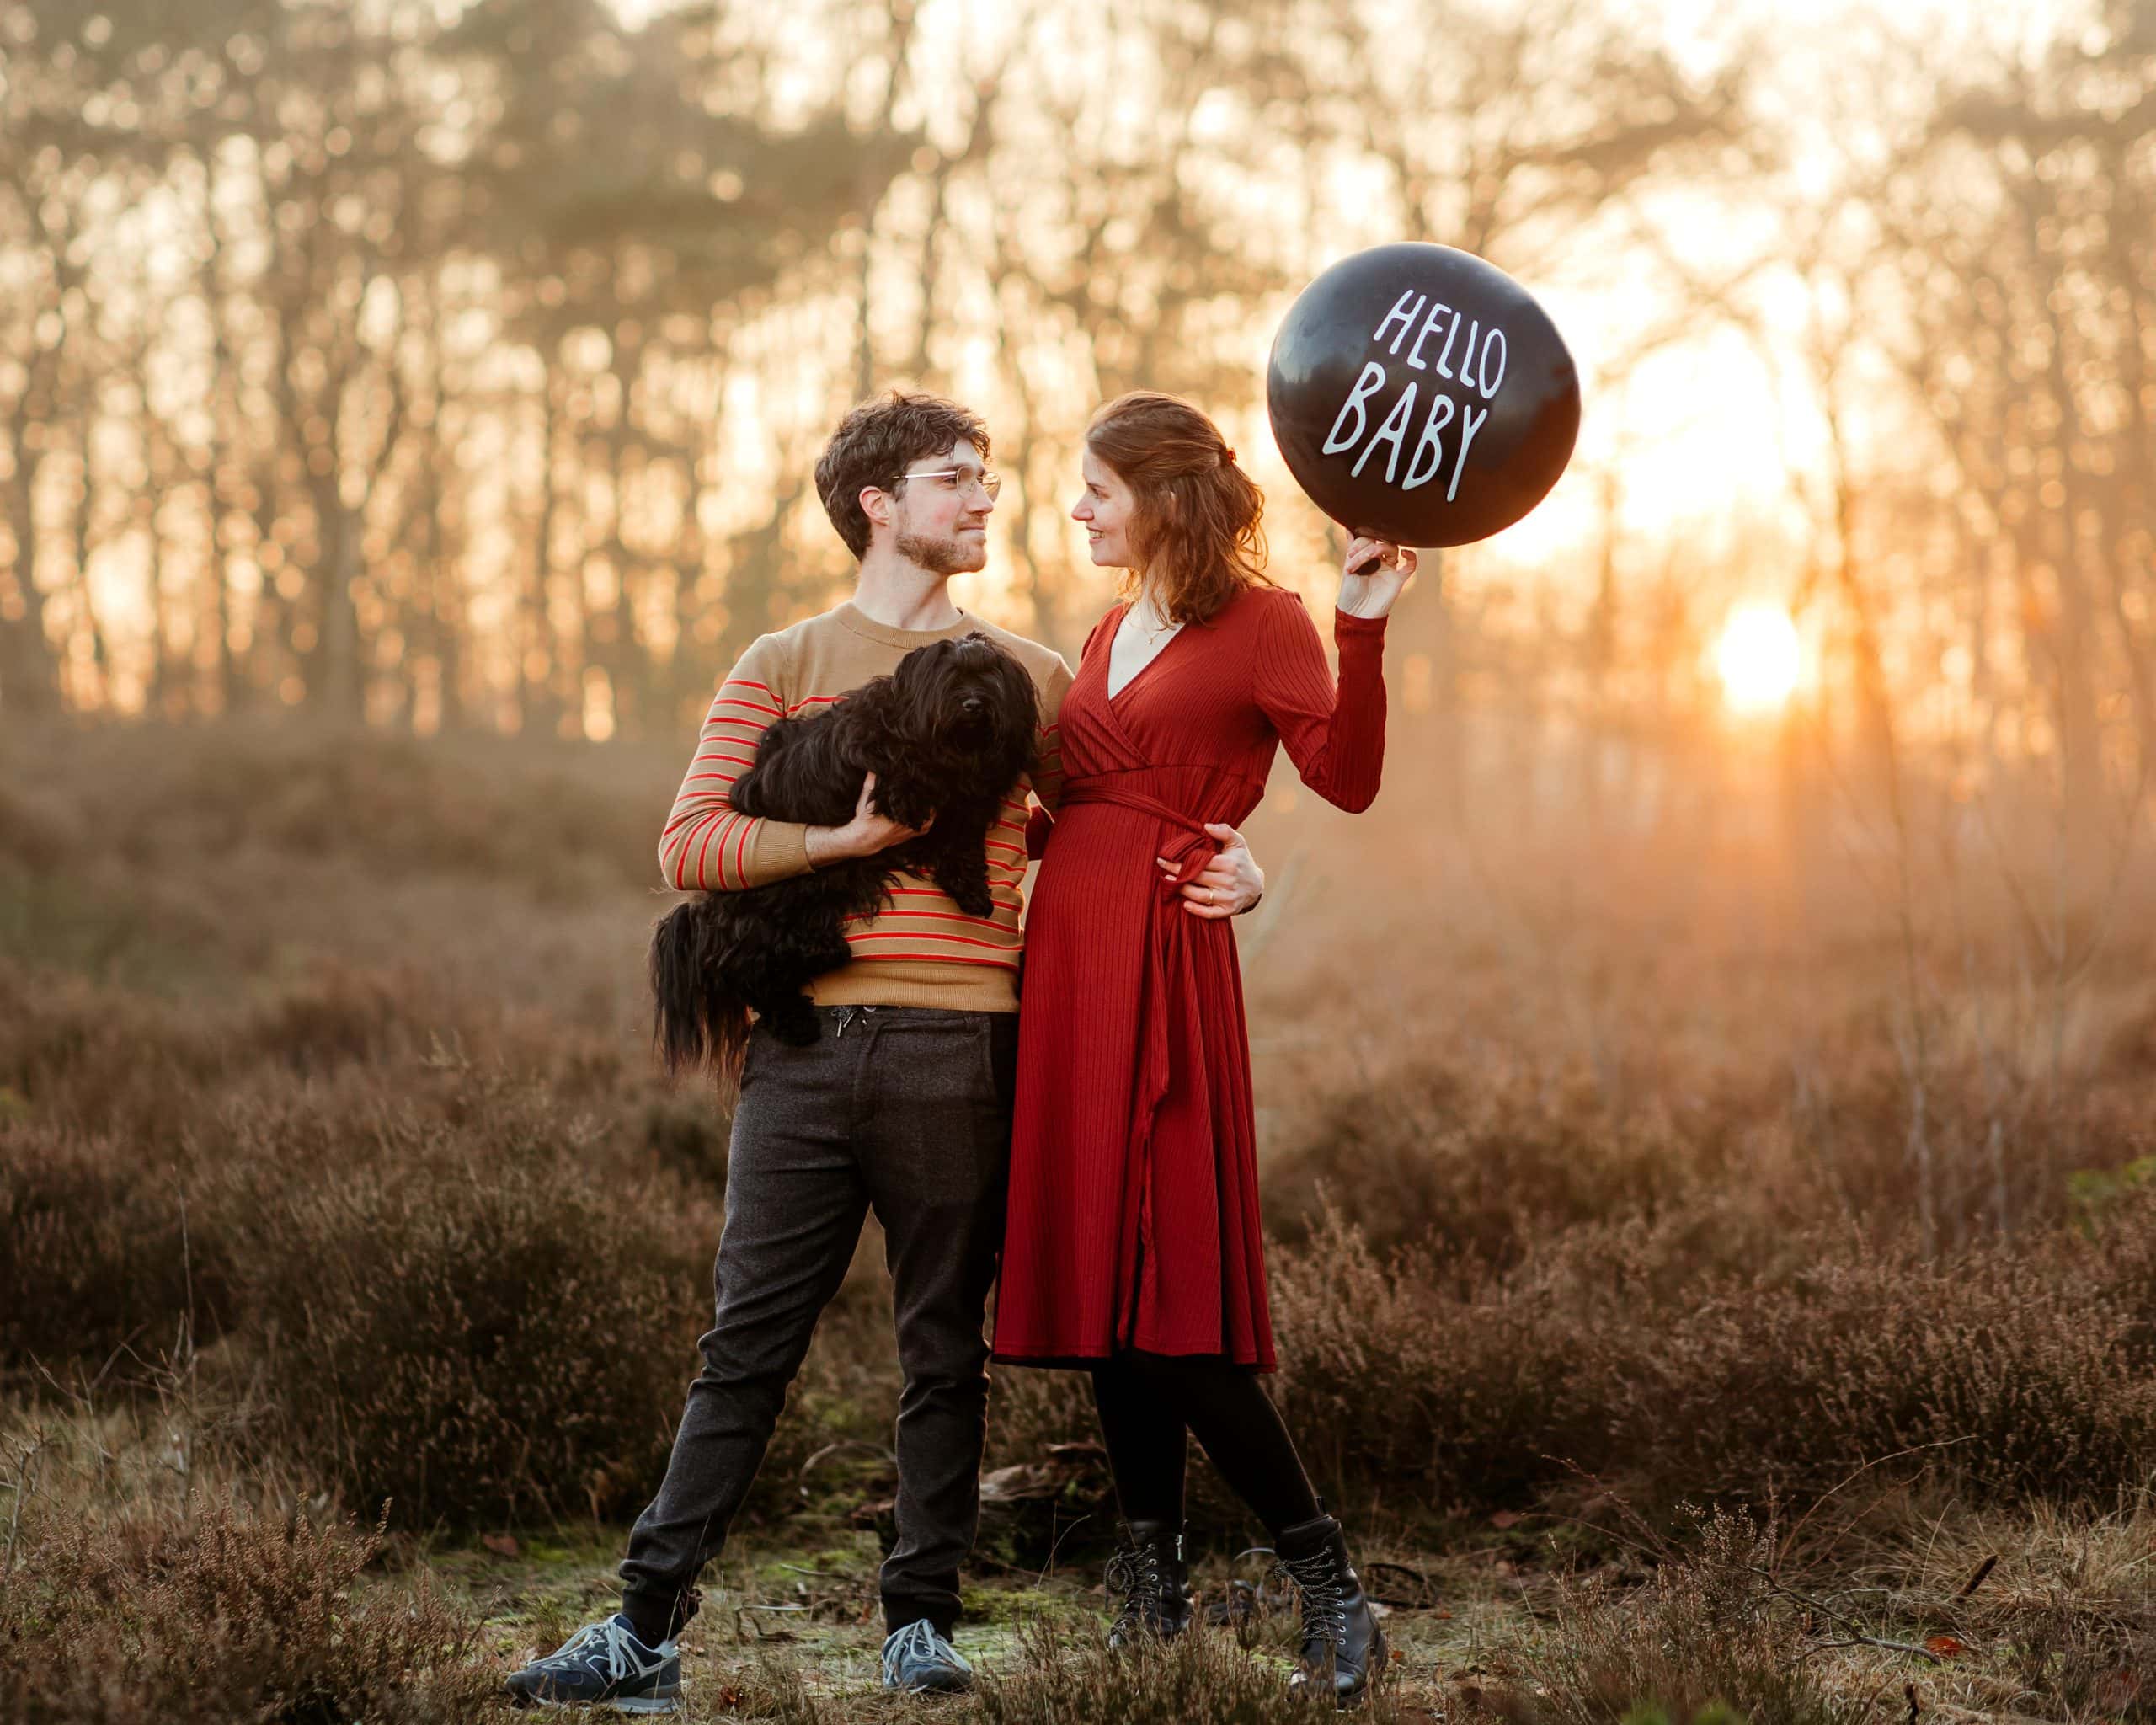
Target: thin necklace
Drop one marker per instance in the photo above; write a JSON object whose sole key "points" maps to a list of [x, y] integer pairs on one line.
{"points": [[1152, 635]]}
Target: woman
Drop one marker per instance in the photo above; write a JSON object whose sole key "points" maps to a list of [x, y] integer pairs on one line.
{"points": [[1133, 1246]]}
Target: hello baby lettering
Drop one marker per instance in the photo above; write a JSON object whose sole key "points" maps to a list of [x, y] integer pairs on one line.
{"points": [[1433, 335]]}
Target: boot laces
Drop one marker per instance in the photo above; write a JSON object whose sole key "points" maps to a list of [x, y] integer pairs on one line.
{"points": [[1324, 1593], [1135, 1573]]}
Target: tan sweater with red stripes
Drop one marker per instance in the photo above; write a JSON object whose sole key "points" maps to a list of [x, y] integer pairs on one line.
{"points": [[925, 951]]}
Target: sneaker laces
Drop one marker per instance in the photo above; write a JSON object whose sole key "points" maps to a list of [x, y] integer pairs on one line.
{"points": [[1324, 1592], [918, 1640], [613, 1639]]}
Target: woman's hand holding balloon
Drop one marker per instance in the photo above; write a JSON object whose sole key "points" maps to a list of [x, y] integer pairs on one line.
{"points": [[1372, 574]]}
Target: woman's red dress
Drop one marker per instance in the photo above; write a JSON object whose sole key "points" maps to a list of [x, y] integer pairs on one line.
{"points": [[1134, 1216]]}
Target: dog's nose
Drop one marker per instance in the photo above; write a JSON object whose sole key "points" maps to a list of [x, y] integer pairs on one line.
{"points": [[971, 706]]}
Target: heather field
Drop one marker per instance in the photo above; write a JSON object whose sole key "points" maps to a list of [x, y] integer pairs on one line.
{"points": [[1691, 1321]]}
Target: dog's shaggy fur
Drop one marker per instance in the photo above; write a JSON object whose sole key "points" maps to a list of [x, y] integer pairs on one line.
{"points": [[948, 734]]}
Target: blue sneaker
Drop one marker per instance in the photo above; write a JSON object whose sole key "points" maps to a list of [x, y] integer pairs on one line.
{"points": [[917, 1657], [603, 1665]]}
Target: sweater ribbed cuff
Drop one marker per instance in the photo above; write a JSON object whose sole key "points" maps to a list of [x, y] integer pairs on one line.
{"points": [[1346, 627]]}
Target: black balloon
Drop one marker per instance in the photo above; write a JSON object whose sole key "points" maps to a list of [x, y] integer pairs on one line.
{"points": [[1420, 395]]}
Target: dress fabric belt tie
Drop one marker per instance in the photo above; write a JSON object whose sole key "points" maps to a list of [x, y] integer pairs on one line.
{"points": [[1190, 851]]}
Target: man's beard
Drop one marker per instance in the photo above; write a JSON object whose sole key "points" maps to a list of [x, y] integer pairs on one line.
{"points": [[942, 556]]}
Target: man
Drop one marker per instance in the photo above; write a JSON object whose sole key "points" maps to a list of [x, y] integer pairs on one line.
{"points": [[902, 1105]]}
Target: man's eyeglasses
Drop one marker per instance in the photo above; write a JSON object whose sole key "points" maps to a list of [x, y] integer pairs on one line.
{"points": [[956, 479]]}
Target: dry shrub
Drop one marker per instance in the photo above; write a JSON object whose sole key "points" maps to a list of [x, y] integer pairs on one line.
{"points": [[1397, 1380], [1477, 1168], [120, 1115], [2008, 1373], [342, 1016], [147, 932], [481, 1331], [36, 834], [470, 1283], [105, 1061], [158, 1073], [687, 1135], [2122, 1240], [557, 821], [1848, 1160], [1706, 1639], [216, 1618], [2019, 1371], [456, 1289], [1481, 1164], [1201, 1678], [97, 1258]]}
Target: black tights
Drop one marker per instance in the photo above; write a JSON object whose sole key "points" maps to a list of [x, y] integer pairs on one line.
{"points": [[1147, 1403]]}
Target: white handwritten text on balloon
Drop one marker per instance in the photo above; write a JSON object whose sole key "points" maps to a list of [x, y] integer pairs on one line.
{"points": [[1482, 370]]}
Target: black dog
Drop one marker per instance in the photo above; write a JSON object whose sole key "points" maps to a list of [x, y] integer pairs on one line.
{"points": [[948, 734]]}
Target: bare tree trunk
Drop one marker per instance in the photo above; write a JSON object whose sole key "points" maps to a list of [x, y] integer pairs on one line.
{"points": [[29, 669], [170, 691], [337, 689], [1599, 655], [226, 447], [83, 545], [870, 194], [537, 711], [627, 665]]}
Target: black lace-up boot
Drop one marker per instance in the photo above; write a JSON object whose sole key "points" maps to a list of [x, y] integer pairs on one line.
{"points": [[1343, 1649], [1149, 1584]]}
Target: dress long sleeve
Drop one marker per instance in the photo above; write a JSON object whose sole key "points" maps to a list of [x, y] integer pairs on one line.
{"points": [[1334, 733]]}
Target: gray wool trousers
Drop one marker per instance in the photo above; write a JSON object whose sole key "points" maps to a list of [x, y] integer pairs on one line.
{"points": [[905, 1111]]}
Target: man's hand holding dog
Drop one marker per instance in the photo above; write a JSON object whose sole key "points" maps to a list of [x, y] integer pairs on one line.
{"points": [[1232, 882], [869, 831]]}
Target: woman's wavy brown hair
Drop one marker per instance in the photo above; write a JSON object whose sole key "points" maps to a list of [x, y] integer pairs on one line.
{"points": [[1196, 530]]}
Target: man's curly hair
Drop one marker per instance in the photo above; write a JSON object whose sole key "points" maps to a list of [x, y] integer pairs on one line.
{"points": [[878, 442]]}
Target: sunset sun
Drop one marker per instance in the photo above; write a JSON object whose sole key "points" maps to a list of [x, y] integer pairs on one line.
{"points": [[1757, 658]]}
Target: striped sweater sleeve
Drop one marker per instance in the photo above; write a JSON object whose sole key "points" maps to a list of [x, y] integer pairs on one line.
{"points": [[1335, 736], [706, 845]]}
